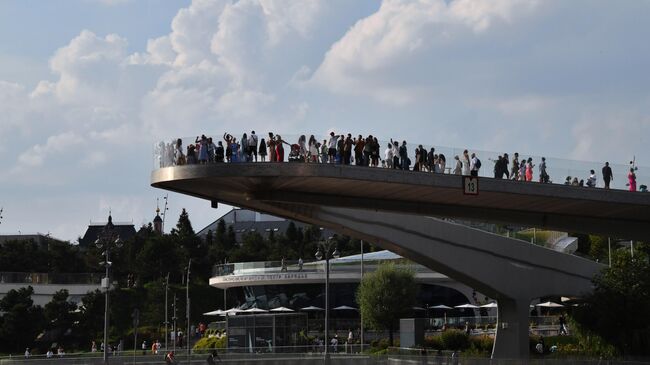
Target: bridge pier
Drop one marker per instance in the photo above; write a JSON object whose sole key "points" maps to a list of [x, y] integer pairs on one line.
{"points": [[511, 340]]}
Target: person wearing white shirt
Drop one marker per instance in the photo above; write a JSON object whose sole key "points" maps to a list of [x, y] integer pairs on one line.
{"points": [[591, 181], [388, 156], [475, 165], [465, 161], [252, 144], [331, 144]]}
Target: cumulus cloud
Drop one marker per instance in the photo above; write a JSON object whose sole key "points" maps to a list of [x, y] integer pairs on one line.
{"points": [[373, 55]]}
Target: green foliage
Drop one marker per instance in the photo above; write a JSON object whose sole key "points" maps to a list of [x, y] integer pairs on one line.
{"points": [[455, 339], [59, 313], [205, 344], [481, 344], [434, 342], [598, 249], [386, 295], [21, 321], [617, 311]]}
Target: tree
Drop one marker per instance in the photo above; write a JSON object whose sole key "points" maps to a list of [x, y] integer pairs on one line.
{"points": [[385, 296], [59, 312], [617, 310], [21, 321]]}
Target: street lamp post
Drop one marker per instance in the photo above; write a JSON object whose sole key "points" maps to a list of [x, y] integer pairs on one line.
{"points": [[107, 238], [323, 252]]}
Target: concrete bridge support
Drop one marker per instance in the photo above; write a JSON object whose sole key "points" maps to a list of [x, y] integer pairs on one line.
{"points": [[511, 271]]}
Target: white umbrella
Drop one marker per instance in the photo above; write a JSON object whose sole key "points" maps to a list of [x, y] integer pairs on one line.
{"points": [[419, 309], [464, 306], [281, 309], [490, 305], [255, 310], [344, 307], [441, 306], [218, 312], [312, 308], [550, 305], [232, 311]]}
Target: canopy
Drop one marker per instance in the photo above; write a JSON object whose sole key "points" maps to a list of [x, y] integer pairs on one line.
{"points": [[464, 306], [218, 312], [312, 308], [440, 306], [490, 305], [255, 310], [233, 311], [550, 305], [281, 309], [419, 309], [344, 307]]}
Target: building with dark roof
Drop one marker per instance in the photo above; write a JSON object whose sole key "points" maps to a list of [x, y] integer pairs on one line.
{"points": [[245, 221], [124, 230], [40, 239]]}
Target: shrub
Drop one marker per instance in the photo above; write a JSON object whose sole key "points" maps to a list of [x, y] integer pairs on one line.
{"points": [[434, 342], [482, 344], [455, 340], [205, 344]]}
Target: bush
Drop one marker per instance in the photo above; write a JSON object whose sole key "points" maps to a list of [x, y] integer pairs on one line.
{"points": [[482, 344], [455, 340], [205, 344], [434, 342]]}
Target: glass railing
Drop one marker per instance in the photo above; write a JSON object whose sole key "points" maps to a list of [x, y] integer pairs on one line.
{"points": [[271, 267], [49, 278], [166, 154]]}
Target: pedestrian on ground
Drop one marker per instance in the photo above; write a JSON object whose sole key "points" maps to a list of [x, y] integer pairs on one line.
{"points": [[300, 263], [211, 358], [607, 175], [144, 347], [27, 353], [335, 344], [170, 359], [93, 347]]}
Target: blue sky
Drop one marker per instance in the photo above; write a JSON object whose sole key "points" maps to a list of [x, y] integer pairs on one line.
{"points": [[87, 86]]}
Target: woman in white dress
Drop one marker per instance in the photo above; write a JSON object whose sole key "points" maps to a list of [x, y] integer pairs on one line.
{"points": [[465, 161], [459, 166]]}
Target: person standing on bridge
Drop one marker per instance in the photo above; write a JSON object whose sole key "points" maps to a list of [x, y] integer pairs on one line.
{"points": [[631, 177], [529, 169], [465, 161], [543, 175], [607, 175], [514, 172], [252, 145], [271, 145], [331, 145], [475, 165]]}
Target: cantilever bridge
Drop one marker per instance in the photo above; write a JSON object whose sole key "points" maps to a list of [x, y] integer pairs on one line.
{"points": [[393, 208]]}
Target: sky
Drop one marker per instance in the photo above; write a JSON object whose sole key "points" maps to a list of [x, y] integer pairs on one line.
{"points": [[88, 86]]}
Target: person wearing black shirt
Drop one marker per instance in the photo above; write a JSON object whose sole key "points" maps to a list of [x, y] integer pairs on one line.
{"points": [[607, 175]]}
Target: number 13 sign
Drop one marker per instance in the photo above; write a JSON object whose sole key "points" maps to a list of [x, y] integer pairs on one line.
{"points": [[470, 185]]}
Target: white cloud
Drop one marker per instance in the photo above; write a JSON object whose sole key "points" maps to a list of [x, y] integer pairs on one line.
{"points": [[372, 55], [59, 143]]}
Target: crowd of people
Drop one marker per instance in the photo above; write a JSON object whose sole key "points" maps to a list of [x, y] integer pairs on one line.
{"points": [[366, 151]]}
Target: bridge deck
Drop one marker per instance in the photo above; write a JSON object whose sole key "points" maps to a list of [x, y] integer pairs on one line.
{"points": [[615, 213]]}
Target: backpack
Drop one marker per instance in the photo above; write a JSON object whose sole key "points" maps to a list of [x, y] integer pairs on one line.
{"points": [[477, 164]]}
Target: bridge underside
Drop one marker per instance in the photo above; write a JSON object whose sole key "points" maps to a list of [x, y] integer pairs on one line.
{"points": [[613, 213], [513, 272]]}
